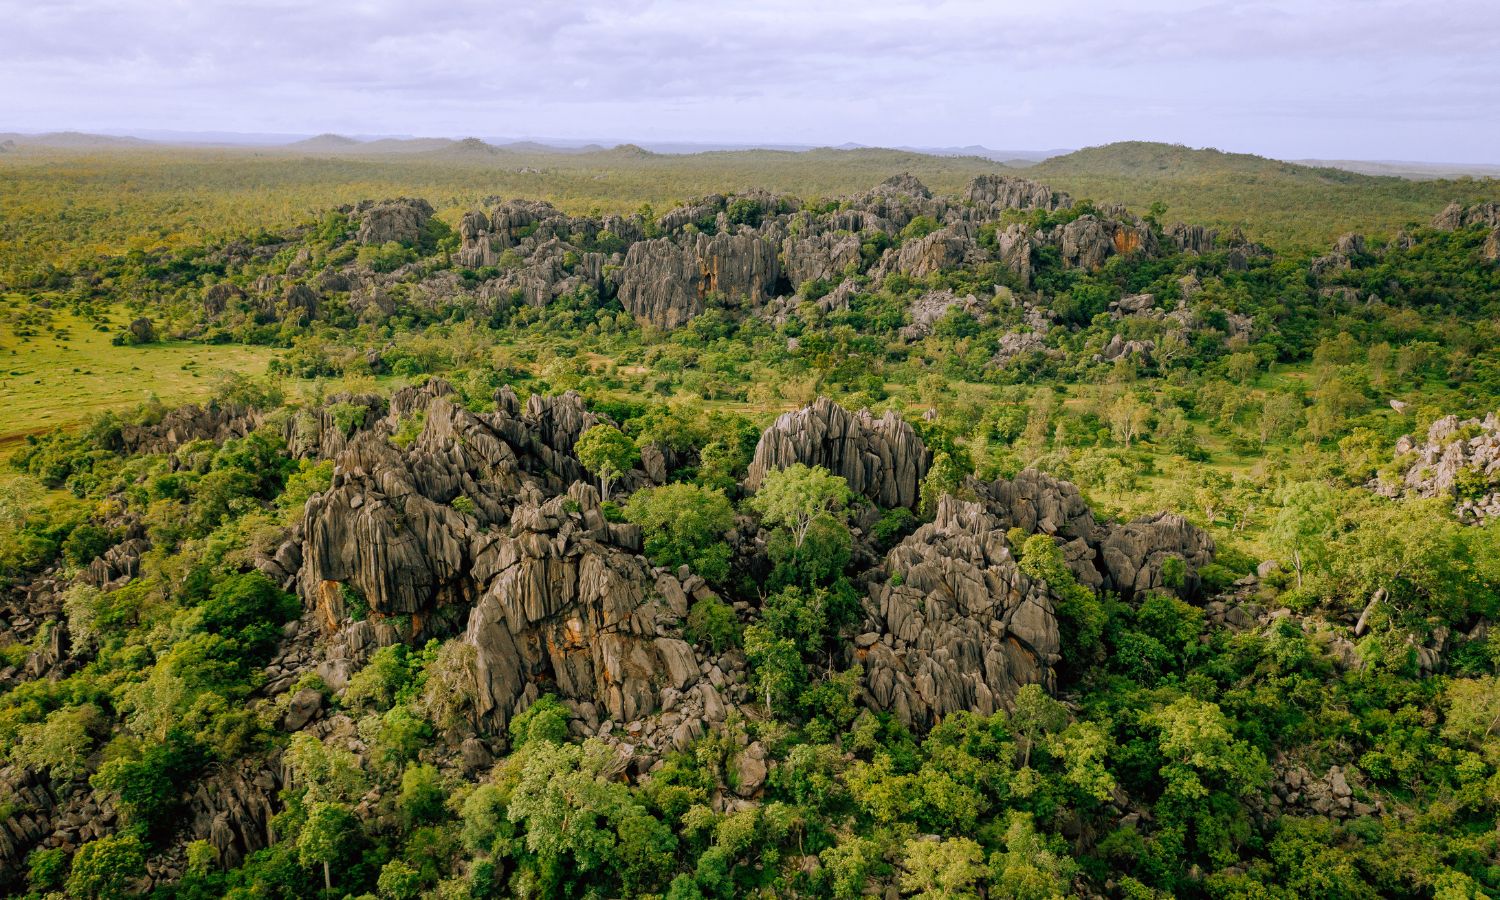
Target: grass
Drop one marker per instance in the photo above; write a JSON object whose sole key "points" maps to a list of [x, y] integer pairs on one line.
{"points": [[71, 371]]}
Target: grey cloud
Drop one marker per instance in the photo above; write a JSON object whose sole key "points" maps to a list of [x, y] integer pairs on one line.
{"points": [[1339, 77]]}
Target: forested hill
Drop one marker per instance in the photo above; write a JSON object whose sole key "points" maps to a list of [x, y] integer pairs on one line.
{"points": [[967, 542], [1284, 204]]}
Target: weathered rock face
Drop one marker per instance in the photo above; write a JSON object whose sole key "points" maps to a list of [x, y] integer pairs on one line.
{"points": [[883, 459], [1458, 460], [1455, 216], [1000, 192], [400, 220], [963, 630], [1088, 240], [665, 281], [820, 256], [566, 603], [1191, 238], [945, 248], [1014, 246], [1127, 558], [1492, 246], [930, 308], [1134, 555], [325, 432], [388, 527], [212, 422]]}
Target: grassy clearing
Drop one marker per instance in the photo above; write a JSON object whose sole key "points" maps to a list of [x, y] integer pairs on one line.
{"points": [[63, 375]]}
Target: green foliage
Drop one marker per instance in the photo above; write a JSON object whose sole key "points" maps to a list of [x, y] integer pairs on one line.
{"points": [[712, 623], [105, 868], [684, 525], [1080, 612], [545, 720], [795, 497], [607, 452]]}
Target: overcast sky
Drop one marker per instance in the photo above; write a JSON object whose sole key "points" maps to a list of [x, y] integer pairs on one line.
{"points": [[1364, 79]]}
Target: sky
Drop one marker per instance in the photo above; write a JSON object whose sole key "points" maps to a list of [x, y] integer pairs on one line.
{"points": [[1330, 79]]}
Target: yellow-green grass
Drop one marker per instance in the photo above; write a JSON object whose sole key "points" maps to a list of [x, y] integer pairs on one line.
{"points": [[64, 376]]}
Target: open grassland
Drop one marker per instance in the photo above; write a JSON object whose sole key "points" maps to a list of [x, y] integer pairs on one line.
{"points": [[69, 370]]}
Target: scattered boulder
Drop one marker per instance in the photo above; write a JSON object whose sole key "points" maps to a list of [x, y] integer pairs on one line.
{"points": [[930, 308], [1458, 460]]}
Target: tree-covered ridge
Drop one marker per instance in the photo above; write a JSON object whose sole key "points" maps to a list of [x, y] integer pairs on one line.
{"points": [[532, 593]]}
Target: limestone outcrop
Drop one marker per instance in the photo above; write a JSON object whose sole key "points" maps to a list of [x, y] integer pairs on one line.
{"points": [[1455, 216], [1001, 192], [567, 603], [881, 458], [664, 282], [401, 220], [957, 625], [1458, 459]]}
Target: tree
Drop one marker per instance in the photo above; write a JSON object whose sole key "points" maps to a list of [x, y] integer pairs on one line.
{"points": [[776, 669], [1127, 417], [1304, 526], [325, 837], [797, 496], [1036, 715], [944, 477], [1032, 867], [105, 868], [949, 869], [1473, 708], [684, 525], [608, 453]]}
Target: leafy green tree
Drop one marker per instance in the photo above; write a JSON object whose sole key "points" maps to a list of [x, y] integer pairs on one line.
{"points": [[545, 720], [776, 669], [399, 880], [61, 743], [107, 867], [684, 525], [1079, 609], [1032, 867], [608, 453], [945, 476], [951, 869], [712, 623], [1304, 526], [797, 496], [326, 837], [46, 869]]}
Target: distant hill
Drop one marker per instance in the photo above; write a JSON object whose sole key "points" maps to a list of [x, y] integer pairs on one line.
{"points": [[325, 143], [1407, 169], [1144, 159], [73, 140], [1281, 203]]}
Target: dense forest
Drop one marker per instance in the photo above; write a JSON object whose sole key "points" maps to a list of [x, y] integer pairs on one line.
{"points": [[943, 538]]}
